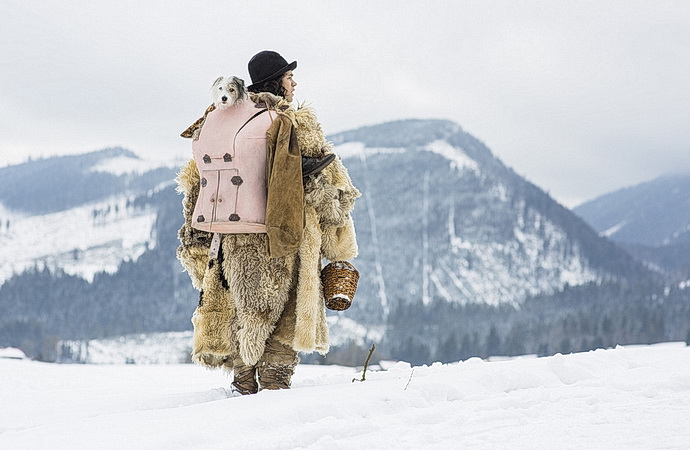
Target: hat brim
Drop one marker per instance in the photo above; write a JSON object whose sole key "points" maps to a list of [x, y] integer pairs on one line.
{"points": [[291, 66]]}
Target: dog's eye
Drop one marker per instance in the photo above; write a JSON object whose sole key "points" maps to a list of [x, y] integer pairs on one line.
{"points": [[232, 90]]}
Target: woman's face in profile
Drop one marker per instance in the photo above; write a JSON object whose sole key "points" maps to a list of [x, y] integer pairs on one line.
{"points": [[288, 84]]}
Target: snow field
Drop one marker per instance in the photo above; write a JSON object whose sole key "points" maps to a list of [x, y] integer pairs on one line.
{"points": [[623, 398]]}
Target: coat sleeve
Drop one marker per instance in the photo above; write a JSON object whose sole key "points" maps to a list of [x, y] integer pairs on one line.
{"points": [[194, 245], [285, 200], [331, 193], [340, 243], [333, 196]]}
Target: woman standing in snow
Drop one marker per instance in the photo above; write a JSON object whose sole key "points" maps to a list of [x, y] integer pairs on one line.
{"points": [[261, 299]]}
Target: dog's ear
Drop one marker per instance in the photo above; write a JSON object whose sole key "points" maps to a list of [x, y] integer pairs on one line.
{"points": [[240, 83], [218, 80]]}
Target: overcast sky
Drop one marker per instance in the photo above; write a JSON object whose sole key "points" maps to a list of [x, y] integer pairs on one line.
{"points": [[581, 98]]}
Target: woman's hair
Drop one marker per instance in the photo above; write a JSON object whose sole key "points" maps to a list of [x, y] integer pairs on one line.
{"points": [[273, 86]]}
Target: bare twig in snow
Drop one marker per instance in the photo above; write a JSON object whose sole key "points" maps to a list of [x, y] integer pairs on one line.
{"points": [[366, 364], [410, 379]]}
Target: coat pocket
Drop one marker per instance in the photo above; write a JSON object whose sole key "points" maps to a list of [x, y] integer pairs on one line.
{"points": [[230, 183]]}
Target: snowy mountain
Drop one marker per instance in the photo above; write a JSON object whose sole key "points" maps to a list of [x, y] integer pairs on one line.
{"points": [[652, 220], [59, 183], [622, 398], [82, 214], [654, 213], [442, 218], [87, 249], [459, 256]]}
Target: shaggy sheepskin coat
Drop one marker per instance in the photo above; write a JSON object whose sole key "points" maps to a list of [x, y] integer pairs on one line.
{"points": [[246, 295]]}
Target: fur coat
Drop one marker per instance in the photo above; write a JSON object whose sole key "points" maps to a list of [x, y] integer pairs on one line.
{"points": [[245, 294]]}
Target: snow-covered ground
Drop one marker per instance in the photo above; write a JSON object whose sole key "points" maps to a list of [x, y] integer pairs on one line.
{"points": [[626, 398], [11, 353]]}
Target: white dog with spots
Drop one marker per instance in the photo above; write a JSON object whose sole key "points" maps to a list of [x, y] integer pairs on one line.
{"points": [[228, 91]]}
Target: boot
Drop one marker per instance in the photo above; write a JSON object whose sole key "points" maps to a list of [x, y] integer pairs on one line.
{"points": [[244, 380], [276, 366], [273, 375], [312, 166]]}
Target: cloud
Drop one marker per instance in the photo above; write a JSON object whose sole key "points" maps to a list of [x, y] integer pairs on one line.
{"points": [[581, 98]]}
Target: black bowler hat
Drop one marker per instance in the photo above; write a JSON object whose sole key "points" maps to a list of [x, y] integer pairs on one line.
{"points": [[267, 65]]}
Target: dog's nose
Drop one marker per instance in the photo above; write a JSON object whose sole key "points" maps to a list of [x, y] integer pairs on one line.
{"points": [[224, 98]]}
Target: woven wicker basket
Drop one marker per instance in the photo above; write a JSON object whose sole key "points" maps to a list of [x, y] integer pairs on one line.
{"points": [[339, 280]]}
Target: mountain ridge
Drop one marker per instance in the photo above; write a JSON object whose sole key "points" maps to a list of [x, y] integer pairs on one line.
{"points": [[49, 185], [653, 213], [651, 220], [458, 256], [510, 202]]}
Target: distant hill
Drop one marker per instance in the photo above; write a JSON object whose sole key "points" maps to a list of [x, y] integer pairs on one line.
{"points": [[59, 183], [651, 220]]}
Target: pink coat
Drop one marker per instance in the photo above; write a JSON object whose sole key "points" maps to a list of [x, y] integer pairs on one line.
{"points": [[231, 157]]}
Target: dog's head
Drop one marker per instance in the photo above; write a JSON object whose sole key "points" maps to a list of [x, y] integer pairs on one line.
{"points": [[228, 91]]}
